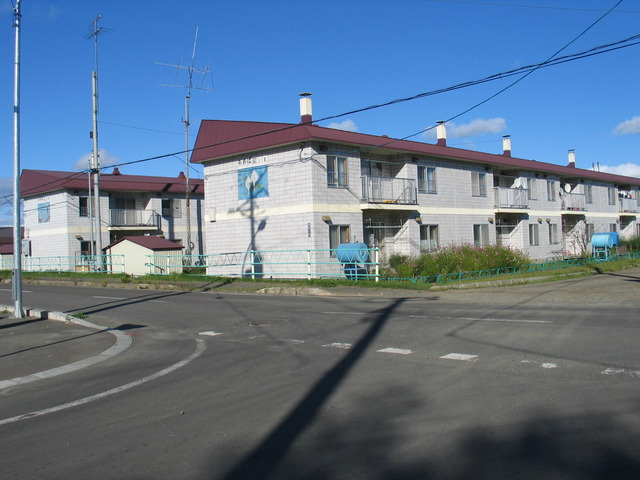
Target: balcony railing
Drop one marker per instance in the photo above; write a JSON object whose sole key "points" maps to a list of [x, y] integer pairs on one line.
{"points": [[389, 190], [134, 218], [511, 197], [573, 201], [628, 205]]}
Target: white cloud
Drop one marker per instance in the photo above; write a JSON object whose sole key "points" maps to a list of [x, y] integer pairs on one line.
{"points": [[628, 127], [347, 125], [479, 126], [106, 160], [626, 169]]}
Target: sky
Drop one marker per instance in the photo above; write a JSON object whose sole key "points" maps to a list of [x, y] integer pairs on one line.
{"points": [[253, 58]]}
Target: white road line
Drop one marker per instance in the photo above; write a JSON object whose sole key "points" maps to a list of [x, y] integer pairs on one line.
{"points": [[200, 348], [344, 346], [507, 320], [210, 333], [460, 356], [549, 365], [9, 290], [465, 319], [123, 342], [399, 351], [344, 313], [292, 340], [621, 371]]}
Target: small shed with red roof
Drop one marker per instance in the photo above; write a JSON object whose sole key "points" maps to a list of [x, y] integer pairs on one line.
{"points": [[147, 254]]}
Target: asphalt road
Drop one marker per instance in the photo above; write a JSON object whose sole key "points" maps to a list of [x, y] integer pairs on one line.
{"points": [[524, 382]]}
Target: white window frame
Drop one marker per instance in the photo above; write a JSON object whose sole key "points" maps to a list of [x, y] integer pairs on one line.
{"points": [[83, 210], [551, 190], [612, 195], [427, 180], [588, 194], [337, 171], [531, 189], [534, 235], [429, 238], [480, 235], [553, 234], [174, 208], [338, 234], [478, 184]]}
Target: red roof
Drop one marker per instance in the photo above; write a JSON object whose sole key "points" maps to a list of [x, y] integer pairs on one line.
{"points": [[218, 139], [150, 242], [36, 182]]}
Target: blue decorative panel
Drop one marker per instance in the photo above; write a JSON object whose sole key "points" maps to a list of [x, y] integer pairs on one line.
{"points": [[253, 183]]}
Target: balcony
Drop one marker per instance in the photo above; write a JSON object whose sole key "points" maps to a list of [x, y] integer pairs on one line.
{"points": [[127, 218], [628, 205], [389, 190], [511, 197], [573, 202]]}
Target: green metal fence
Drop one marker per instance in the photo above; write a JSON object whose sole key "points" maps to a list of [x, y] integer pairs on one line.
{"points": [[73, 263], [309, 263], [534, 267]]}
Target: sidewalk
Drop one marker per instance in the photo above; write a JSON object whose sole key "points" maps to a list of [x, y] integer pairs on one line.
{"points": [[32, 345]]}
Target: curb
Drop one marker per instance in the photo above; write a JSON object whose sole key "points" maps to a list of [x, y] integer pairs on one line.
{"points": [[123, 342]]}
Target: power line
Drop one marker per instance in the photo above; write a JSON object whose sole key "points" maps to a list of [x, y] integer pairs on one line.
{"points": [[598, 50], [542, 7]]}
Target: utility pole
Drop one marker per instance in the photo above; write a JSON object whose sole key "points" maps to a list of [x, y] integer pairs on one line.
{"points": [[190, 70], [95, 161], [17, 231]]}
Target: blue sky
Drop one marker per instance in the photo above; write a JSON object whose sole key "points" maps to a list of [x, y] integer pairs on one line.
{"points": [[349, 53]]}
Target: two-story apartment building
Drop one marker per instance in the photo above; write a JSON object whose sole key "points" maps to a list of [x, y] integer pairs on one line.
{"points": [[300, 186], [57, 210]]}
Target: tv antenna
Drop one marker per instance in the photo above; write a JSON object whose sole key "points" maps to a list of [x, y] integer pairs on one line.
{"points": [[93, 33], [191, 70]]}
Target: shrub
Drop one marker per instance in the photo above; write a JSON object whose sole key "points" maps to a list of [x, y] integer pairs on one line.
{"points": [[633, 243], [455, 259]]}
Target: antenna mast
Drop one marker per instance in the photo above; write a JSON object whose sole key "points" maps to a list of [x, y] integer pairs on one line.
{"points": [[95, 161], [187, 99]]}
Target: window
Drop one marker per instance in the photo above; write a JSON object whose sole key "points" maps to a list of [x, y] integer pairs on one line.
{"points": [[553, 234], [171, 208], [336, 171], [85, 248], [83, 206], [478, 184], [480, 235], [44, 213], [588, 194], [370, 168], [533, 234], [429, 237], [551, 190], [427, 179], [531, 188], [337, 234], [613, 227], [123, 203], [613, 195]]}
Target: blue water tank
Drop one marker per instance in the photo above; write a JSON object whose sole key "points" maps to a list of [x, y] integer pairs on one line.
{"points": [[607, 239], [353, 253]]}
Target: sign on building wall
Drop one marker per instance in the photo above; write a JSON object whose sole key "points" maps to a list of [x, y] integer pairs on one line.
{"points": [[253, 183]]}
